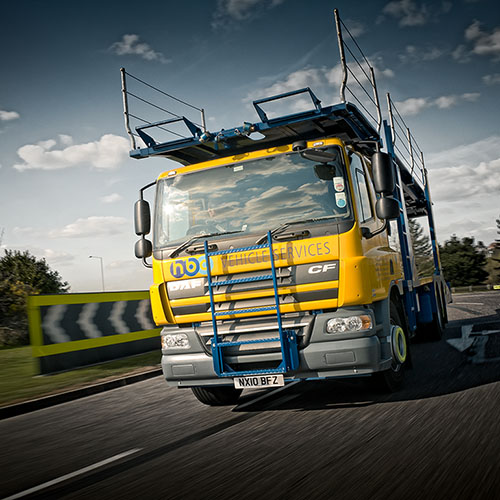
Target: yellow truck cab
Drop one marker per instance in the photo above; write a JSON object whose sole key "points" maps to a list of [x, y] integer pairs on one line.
{"points": [[281, 251]]}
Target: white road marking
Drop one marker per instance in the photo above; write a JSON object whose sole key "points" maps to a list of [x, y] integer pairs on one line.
{"points": [[73, 474], [266, 395], [464, 342], [51, 325], [468, 303]]}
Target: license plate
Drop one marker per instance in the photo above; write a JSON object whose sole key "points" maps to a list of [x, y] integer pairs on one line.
{"points": [[259, 381]]}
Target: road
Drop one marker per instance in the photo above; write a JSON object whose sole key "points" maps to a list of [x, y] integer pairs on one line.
{"points": [[439, 437]]}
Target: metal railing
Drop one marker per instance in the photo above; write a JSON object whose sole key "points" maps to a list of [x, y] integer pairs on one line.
{"points": [[369, 95], [158, 93], [405, 144]]}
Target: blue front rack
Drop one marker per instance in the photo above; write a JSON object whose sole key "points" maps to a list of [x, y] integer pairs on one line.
{"points": [[287, 338]]}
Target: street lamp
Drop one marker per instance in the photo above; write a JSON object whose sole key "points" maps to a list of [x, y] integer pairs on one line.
{"points": [[102, 269]]}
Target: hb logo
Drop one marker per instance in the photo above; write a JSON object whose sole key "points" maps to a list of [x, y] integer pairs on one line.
{"points": [[190, 267]]}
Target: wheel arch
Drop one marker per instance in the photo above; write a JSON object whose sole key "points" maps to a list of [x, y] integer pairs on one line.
{"points": [[382, 309]]}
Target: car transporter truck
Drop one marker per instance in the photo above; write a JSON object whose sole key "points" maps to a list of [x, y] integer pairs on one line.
{"points": [[281, 249]]}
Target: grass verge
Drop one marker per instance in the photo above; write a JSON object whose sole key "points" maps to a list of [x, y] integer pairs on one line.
{"points": [[19, 380]]}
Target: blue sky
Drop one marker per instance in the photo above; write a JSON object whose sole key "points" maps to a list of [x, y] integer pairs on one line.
{"points": [[67, 186]]}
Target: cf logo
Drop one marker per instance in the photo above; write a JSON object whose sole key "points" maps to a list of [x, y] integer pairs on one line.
{"points": [[323, 268]]}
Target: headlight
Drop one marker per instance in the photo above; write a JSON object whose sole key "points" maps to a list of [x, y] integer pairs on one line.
{"points": [[175, 341], [350, 324]]}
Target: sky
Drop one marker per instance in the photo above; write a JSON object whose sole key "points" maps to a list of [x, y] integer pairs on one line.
{"points": [[67, 184]]}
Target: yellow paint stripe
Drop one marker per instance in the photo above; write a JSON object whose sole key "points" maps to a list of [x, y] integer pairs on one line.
{"points": [[85, 298], [284, 308], [80, 345], [255, 294], [35, 327]]}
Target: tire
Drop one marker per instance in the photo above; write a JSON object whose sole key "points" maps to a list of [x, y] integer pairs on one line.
{"points": [[217, 396], [391, 380]]}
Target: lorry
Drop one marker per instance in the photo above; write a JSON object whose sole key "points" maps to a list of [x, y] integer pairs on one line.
{"points": [[281, 248]]}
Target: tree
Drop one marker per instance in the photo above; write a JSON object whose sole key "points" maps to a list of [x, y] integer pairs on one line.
{"points": [[22, 274], [493, 265], [463, 261], [422, 249]]}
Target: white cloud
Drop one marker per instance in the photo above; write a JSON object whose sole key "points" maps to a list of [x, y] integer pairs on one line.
{"points": [[469, 227], [230, 13], [298, 79], [411, 13], [6, 116], [492, 79], [471, 96], [461, 54], [131, 45], [355, 27], [416, 55], [91, 227], [465, 182], [106, 153], [482, 151], [54, 257], [23, 230], [470, 170], [482, 43], [485, 44], [415, 105], [407, 12], [67, 140], [446, 6], [323, 81], [111, 198], [130, 264]]}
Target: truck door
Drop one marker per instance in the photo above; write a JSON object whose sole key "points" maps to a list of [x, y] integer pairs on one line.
{"points": [[375, 248]]}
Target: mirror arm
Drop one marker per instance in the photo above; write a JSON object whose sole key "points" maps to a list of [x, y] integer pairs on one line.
{"points": [[368, 234], [147, 186], [146, 263]]}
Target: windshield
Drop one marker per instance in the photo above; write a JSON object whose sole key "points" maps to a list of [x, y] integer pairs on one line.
{"points": [[251, 197]]}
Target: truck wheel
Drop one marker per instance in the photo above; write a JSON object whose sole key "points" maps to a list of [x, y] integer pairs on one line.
{"points": [[217, 396], [392, 379]]}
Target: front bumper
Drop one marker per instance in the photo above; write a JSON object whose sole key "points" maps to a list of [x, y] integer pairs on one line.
{"points": [[324, 356]]}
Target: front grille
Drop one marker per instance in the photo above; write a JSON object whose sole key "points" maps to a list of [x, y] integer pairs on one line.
{"points": [[255, 329]]}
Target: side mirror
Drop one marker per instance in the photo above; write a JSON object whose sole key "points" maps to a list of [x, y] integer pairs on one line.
{"points": [[143, 248], [387, 208], [383, 173], [142, 218]]}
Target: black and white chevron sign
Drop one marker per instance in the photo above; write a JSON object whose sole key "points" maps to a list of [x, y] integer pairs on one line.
{"points": [[69, 322]]}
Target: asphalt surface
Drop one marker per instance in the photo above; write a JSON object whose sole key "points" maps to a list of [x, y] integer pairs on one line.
{"points": [[439, 437]]}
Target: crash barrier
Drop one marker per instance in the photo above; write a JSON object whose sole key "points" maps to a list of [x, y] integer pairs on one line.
{"points": [[474, 288], [79, 329]]}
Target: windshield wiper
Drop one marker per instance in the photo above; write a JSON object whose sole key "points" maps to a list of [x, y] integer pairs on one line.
{"points": [[282, 227], [191, 240]]}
